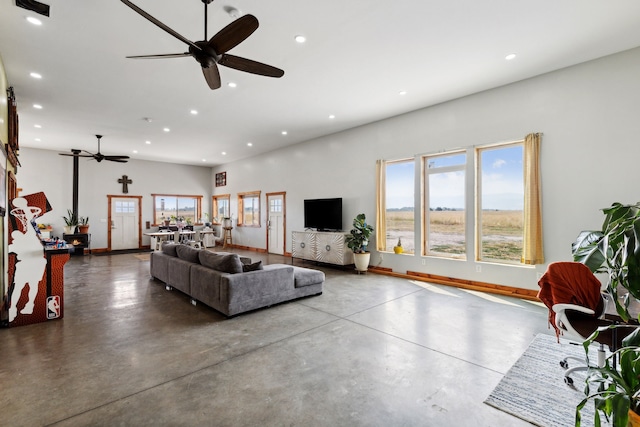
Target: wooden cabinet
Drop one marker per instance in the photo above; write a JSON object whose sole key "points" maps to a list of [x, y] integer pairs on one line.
{"points": [[325, 247]]}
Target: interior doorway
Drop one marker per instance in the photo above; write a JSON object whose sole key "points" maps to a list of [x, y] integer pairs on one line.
{"points": [[276, 229], [125, 223]]}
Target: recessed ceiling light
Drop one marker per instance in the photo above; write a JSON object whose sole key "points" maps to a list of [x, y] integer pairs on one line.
{"points": [[249, 144], [284, 132], [37, 106], [194, 112], [36, 75], [204, 160], [34, 21], [37, 139], [402, 92], [232, 84], [135, 151], [166, 130], [300, 38], [224, 153], [510, 56], [331, 116], [37, 126], [148, 142]]}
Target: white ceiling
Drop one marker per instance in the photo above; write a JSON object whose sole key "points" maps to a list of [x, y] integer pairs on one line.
{"points": [[359, 55]]}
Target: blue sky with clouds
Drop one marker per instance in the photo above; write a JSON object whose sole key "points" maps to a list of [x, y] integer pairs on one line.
{"points": [[501, 182]]}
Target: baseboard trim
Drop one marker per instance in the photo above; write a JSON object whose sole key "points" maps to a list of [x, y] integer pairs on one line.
{"points": [[527, 294]]}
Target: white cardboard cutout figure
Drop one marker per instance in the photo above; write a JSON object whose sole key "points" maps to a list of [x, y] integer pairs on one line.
{"points": [[30, 262]]}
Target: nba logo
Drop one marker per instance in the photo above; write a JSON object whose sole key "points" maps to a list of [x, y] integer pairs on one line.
{"points": [[53, 307]]}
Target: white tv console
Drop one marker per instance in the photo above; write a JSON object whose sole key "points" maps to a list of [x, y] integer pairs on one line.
{"points": [[321, 246]]}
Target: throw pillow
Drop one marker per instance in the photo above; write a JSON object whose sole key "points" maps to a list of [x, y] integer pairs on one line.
{"points": [[188, 253], [228, 263], [252, 267], [169, 248]]}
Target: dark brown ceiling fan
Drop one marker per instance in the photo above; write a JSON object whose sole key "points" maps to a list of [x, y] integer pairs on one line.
{"points": [[97, 156], [213, 52]]}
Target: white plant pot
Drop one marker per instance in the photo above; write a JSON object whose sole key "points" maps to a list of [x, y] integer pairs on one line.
{"points": [[69, 229], [362, 261]]}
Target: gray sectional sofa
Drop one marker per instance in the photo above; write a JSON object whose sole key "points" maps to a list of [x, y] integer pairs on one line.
{"points": [[229, 283]]}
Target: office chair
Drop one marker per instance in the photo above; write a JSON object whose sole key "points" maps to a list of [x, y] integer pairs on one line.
{"points": [[576, 308]]}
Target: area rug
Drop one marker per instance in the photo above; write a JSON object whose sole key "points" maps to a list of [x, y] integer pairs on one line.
{"points": [[143, 257], [534, 388]]}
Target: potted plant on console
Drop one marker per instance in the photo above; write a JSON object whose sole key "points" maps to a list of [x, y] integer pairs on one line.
{"points": [[83, 225], [70, 221], [357, 241]]}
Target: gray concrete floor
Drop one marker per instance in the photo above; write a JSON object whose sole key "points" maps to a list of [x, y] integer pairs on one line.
{"points": [[371, 351]]}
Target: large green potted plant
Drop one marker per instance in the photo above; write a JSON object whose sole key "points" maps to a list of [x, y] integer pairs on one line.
{"points": [[615, 387], [357, 241], [615, 250]]}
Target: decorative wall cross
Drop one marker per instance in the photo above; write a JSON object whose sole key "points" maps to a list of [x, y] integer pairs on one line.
{"points": [[125, 181]]}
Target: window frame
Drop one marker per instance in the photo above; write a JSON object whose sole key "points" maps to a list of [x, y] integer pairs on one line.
{"points": [[241, 203], [214, 211], [387, 163], [425, 225], [197, 198], [478, 208]]}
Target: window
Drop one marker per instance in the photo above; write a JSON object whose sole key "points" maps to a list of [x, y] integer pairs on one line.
{"points": [[166, 206], [249, 209], [399, 204], [500, 203], [444, 205], [221, 208], [125, 207], [275, 206]]}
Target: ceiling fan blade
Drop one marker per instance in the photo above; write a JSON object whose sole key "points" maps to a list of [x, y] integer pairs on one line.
{"points": [[160, 24], [233, 34], [212, 76], [168, 55], [109, 158], [116, 157], [250, 66]]}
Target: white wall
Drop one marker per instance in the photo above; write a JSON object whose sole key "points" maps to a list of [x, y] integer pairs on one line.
{"points": [[590, 150], [45, 170], [588, 114]]}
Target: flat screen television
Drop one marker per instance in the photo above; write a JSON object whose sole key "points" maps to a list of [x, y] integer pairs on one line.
{"points": [[323, 214]]}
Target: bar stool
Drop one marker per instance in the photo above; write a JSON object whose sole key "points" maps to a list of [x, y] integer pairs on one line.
{"points": [[227, 239]]}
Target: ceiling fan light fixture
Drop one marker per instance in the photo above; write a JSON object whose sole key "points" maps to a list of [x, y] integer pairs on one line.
{"points": [[232, 11]]}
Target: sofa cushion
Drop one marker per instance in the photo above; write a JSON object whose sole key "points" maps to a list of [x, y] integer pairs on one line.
{"points": [[252, 267], [306, 276], [169, 248], [188, 253], [228, 263]]}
